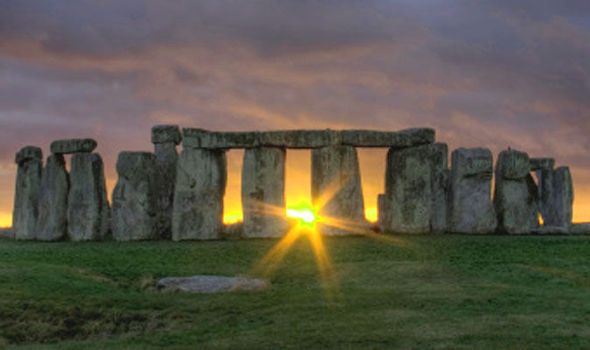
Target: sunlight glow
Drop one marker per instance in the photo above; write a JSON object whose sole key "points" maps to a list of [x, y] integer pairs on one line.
{"points": [[304, 212]]}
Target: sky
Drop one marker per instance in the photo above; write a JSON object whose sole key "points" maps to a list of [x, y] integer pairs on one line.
{"points": [[483, 73]]}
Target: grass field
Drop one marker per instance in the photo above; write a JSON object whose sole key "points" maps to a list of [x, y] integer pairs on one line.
{"points": [[416, 292]]}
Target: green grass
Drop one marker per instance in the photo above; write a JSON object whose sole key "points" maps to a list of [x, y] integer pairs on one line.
{"points": [[423, 292]]}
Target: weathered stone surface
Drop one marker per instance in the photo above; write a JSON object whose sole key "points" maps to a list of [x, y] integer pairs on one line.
{"points": [[372, 138], [212, 284], [542, 163], [514, 196], [551, 230], [73, 146], [135, 202], [336, 188], [561, 198], [263, 192], [26, 194], [382, 210], [198, 197], [88, 208], [416, 189], [28, 153], [6, 232], [200, 138], [166, 134], [166, 164], [53, 200], [440, 187], [470, 204], [580, 229]]}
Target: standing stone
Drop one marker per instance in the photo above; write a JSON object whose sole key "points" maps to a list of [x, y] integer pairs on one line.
{"points": [[559, 209], [544, 168], [440, 186], [336, 189], [26, 195], [165, 139], [263, 192], [514, 196], [88, 208], [470, 203], [416, 189], [198, 197], [135, 202], [53, 200]]}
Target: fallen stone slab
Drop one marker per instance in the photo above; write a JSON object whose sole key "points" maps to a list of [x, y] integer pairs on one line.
{"points": [[28, 153], [6, 233], [200, 138], [580, 229], [166, 133], [73, 146], [212, 284], [542, 163]]}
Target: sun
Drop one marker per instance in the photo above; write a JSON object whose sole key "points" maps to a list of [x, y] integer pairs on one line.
{"points": [[304, 213]]}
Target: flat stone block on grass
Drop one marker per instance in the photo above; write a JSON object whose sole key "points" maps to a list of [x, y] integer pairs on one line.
{"points": [[212, 284]]}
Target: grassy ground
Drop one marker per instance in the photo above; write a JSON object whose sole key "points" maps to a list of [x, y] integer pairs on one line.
{"points": [[418, 292]]}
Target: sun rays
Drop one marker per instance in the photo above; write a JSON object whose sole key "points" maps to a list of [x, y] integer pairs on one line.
{"points": [[307, 222]]}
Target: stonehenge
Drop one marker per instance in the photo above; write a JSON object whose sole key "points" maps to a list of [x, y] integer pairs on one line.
{"points": [[88, 209], [515, 198], [165, 139], [26, 194], [135, 198], [263, 192], [198, 197], [166, 195], [53, 200], [336, 189], [470, 202]]}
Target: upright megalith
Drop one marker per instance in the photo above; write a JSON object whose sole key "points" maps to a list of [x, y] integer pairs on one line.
{"points": [[135, 198], [53, 200], [470, 202], [263, 192], [198, 197], [336, 189], [26, 195], [88, 207], [416, 189], [165, 139], [515, 195], [559, 208]]}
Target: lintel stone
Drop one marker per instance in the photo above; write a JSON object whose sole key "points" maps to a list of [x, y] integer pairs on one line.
{"points": [[166, 133], [542, 163], [200, 138], [28, 153], [73, 146]]}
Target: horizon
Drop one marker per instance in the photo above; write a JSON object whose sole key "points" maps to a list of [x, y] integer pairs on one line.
{"points": [[493, 74]]}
